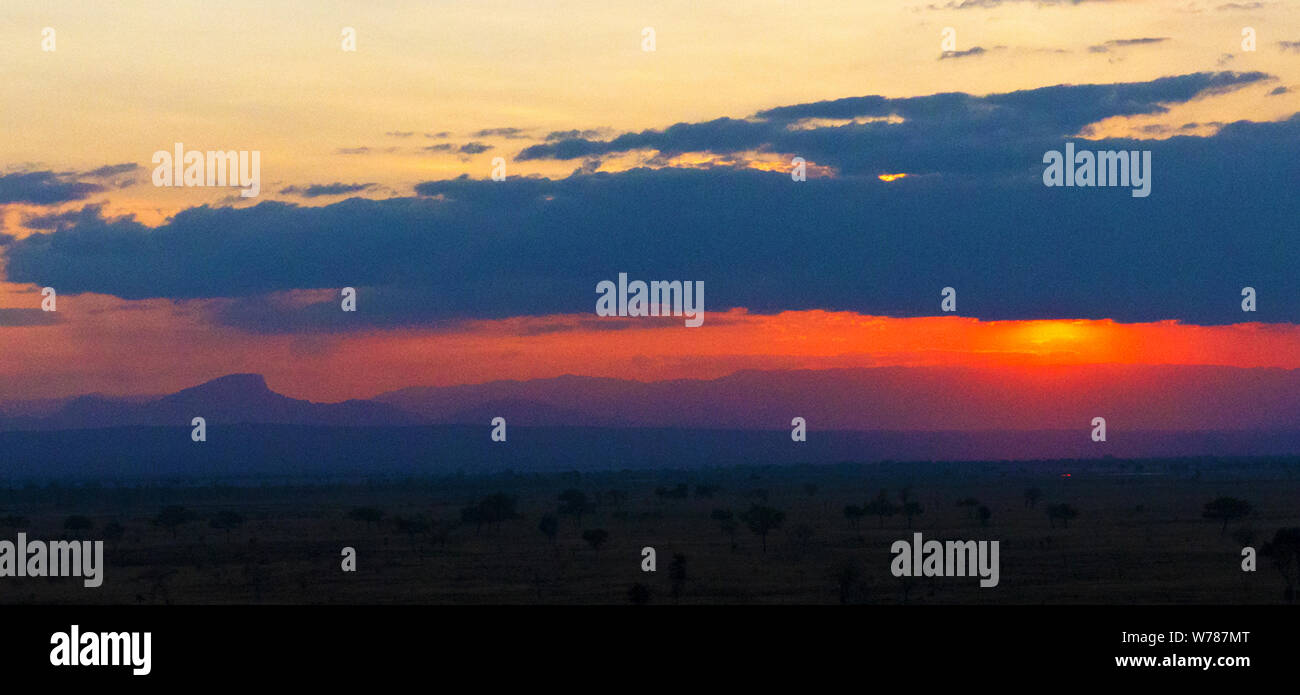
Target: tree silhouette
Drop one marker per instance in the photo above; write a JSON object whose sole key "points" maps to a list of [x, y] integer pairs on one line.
{"points": [[411, 525], [575, 503], [763, 520], [159, 578], [1227, 509], [707, 491], [595, 537], [846, 578], [370, 515], [727, 523], [1284, 549], [725, 519], [492, 509], [616, 497], [677, 492], [984, 514], [1064, 512], [1032, 495], [882, 507], [549, 526], [226, 521], [439, 531], [1244, 536], [677, 573], [113, 531], [78, 522], [173, 516], [854, 514], [802, 534], [729, 527], [638, 594], [912, 509], [472, 515]]}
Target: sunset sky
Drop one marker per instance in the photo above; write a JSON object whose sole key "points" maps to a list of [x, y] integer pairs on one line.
{"points": [[667, 165]]}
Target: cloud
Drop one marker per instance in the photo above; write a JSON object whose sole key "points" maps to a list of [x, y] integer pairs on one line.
{"points": [[510, 133], [44, 188], [439, 135], [352, 150], [914, 134], [12, 318], [1121, 43], [575, 133], [1289, 46], [399, 133], [973, 214], [112, 170], [440, 147], [474, 148], [70, 218], [326, 189], [976, 51], [1278, 91]]}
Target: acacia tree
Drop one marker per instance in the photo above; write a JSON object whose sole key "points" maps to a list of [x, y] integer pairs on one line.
{"points": [[1062, 511], [1226, 509], [912, 509], [370, 515], [677, 573], [574, 503], [113, 531], [726, 521], [762, 520], [638, 594], [226, 521], [677, 492], [882, 507], [173, 516], [595, 537], [1032, 495], [707, 491], [1244, 536], [549, 526], [78, 522], [846, 579], [493, 510], [1284, 549], [854, 514]]}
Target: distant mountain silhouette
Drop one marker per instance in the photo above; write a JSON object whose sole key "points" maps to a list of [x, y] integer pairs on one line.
{"points": [[232, 399], [523, 413], [1130, 397], [950, 413]]}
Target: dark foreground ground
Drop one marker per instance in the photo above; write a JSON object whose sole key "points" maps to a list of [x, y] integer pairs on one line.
{"points": [[1138, 538]]}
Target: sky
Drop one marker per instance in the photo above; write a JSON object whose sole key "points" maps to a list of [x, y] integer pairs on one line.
{"points": [[671, 164]]}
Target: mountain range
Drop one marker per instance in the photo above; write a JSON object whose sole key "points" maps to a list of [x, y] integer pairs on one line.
{"points": [[912, 399]]}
